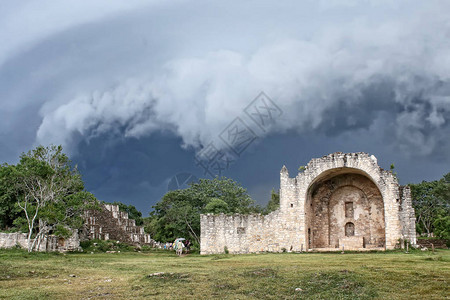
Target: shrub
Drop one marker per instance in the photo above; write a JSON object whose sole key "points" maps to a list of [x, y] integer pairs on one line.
{"points": [[103, 246]]}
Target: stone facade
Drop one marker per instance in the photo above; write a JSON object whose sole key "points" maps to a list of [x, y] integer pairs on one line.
{"points": [[342, 199], [110, 223]]}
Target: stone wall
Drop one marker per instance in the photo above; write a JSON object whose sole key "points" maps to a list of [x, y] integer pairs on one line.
{"points": [[312, 213], [247, 233], [49, 243], [407, 215], [110, 223], [430, 243]]}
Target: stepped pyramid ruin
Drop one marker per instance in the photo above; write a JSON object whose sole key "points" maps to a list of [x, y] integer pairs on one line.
{"points": [[111, 224]]}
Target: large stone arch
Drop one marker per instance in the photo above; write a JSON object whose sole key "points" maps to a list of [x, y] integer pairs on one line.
{"points": [[335, 202], [319, 169]]}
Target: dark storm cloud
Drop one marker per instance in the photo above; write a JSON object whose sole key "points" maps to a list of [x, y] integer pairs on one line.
{"points": [[132, 171], [373, 100], [332, 82]]}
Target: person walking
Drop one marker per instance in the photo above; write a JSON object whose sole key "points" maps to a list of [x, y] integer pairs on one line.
{"points": [[188, 246], [179, 247]]}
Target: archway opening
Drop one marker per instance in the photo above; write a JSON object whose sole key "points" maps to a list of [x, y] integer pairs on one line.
{"points": [[344, 207], [349, 229]]}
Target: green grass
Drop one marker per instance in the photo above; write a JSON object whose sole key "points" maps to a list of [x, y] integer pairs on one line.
{"points": [[384, 275]]}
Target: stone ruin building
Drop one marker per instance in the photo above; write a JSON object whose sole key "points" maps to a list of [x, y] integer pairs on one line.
{"points": [[108, 223], [111, 224], [340, 201]]}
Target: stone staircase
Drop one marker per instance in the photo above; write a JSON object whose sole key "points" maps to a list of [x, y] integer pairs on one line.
{"points": [[111, 224]]}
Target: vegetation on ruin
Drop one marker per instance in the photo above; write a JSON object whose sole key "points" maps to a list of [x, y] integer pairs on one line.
{"points": [[163, 275]]}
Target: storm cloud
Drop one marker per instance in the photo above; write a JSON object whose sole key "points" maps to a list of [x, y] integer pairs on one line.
{"points": [[339, 78]]}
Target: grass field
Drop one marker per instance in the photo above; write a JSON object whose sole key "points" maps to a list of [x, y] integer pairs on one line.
{"points": [[385, 275]]}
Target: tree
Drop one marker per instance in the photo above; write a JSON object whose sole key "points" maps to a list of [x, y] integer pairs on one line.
{"points": [[216, 206], [9, 210], [178, 212], [50, 194], [176, 215], [442, 225], [431, 200], [274, 202], [225, 189]]}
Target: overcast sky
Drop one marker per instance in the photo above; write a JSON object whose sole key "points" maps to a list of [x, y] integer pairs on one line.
{"points": [[140, 91]]}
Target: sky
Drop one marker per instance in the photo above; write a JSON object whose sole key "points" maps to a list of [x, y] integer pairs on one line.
{"points": [[144, 94]]}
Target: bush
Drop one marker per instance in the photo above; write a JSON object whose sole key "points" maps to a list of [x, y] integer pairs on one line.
{"points": [[146, 248], [103, 246]]}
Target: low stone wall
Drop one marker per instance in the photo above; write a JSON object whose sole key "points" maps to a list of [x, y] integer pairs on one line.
{"points": [[437, 243], [49, 243], [10, 240]]}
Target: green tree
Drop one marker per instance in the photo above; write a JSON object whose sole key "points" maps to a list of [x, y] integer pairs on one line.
{"points": [[274, 202], [178, 212], [431, 201], [442, 225], [216, 206], [50, 194], [9, 210], [176, 215], [225, 189]]}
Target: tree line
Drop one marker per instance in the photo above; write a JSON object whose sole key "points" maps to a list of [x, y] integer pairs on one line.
{"points": [[431, 201]]}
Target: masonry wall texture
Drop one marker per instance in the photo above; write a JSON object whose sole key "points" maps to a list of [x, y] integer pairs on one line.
{"points": [[340, 200]]}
